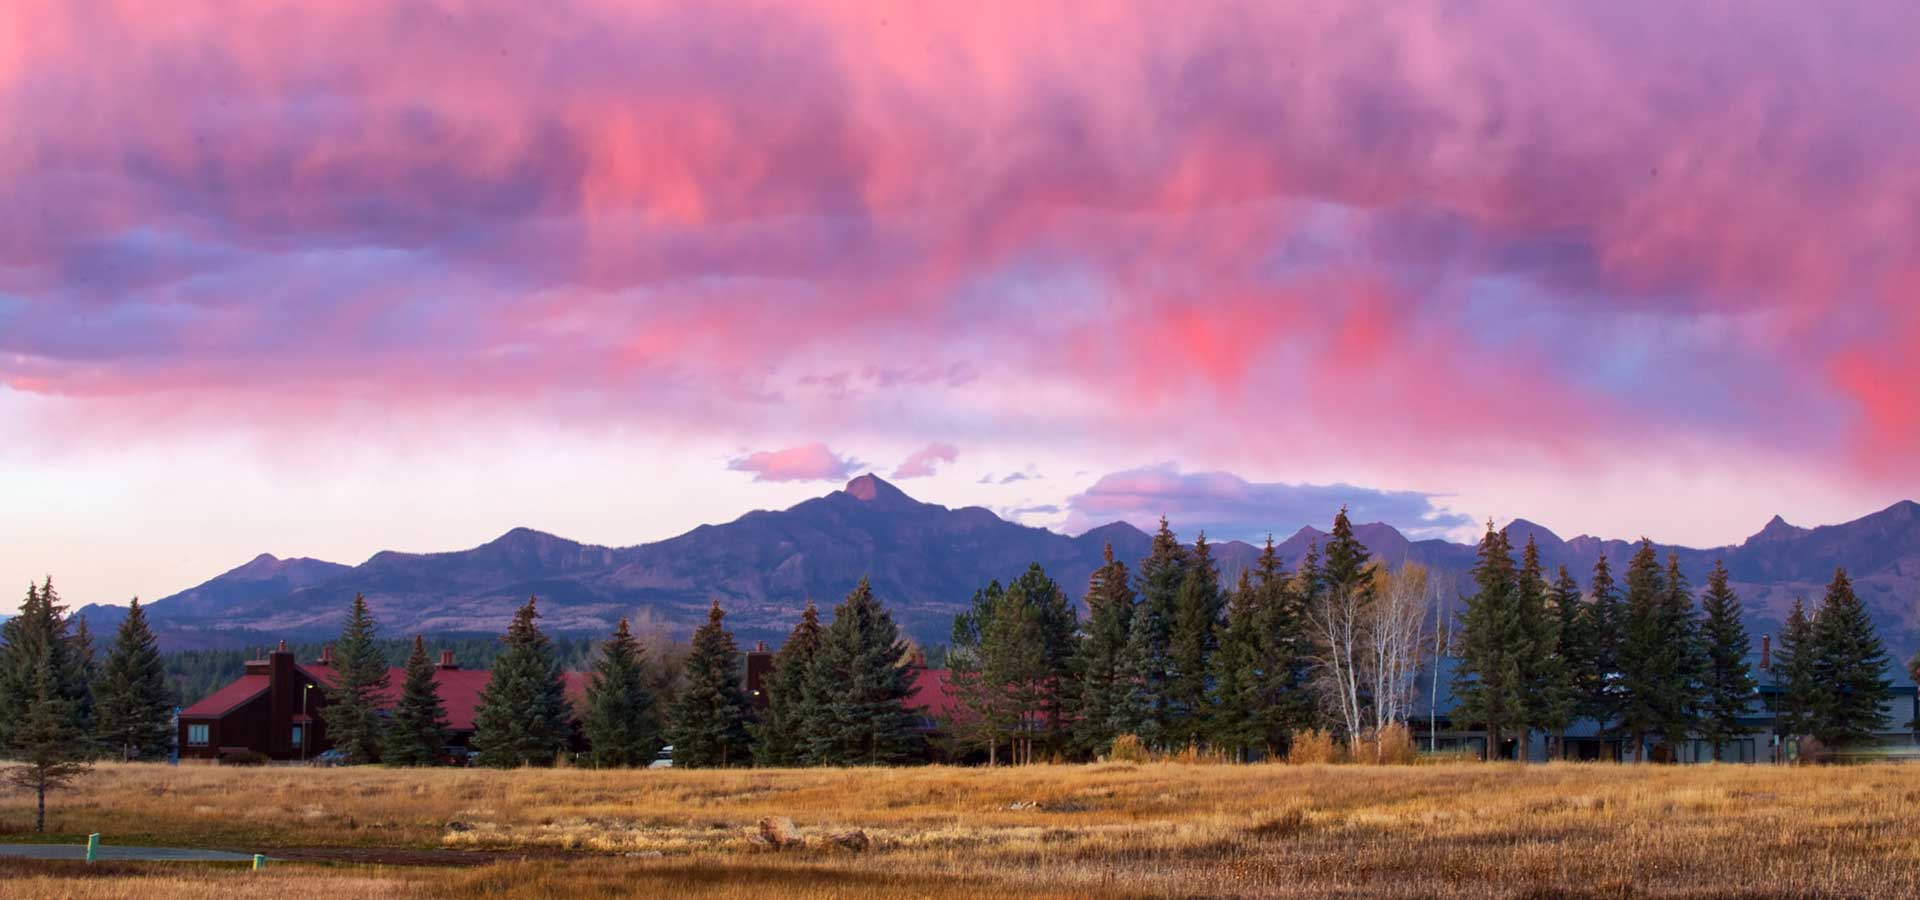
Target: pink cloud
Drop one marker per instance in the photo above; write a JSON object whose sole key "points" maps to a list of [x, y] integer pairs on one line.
{"points": [[922, 462], [1319, 226], [807, 462]]}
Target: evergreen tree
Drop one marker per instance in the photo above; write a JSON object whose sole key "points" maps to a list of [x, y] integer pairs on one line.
{"points": [[1545, 686], [1490, 680], [41, 633], [621, 726], [1148, 660], [523, 716], [417, 730], [1601, 621], [1574, 650], [1013, 672], [1196, 625], [352, 712], [1103, 688], [1848, 667], [1793, 675], [1659, 653], [1728, 686], [1235, 725], [858, 688], [1283, 656], [780, 736], [1052, 702], [708, 722], [49, 747], [989, 716], [133, 702]]}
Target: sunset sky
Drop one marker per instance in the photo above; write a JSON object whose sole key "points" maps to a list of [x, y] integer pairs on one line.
{"points": [[322, 279]]}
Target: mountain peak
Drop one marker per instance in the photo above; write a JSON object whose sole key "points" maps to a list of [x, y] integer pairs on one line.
{"points": [[870, 488], [1520, 529], [1776, 530]]}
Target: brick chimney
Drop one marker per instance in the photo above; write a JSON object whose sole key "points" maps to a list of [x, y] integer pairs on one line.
{"points": [[326, 654], [1766, 652], [446, 660]]}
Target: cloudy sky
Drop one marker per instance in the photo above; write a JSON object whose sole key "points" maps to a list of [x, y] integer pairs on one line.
{"points": [[322, 279]]}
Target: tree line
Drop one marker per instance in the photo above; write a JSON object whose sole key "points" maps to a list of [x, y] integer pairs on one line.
{"points": [[836, 696]]}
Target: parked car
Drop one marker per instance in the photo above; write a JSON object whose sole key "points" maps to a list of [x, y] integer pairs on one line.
{"points": [[663, 760]]}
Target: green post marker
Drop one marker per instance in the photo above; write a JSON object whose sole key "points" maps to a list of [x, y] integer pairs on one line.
{"points": [[259, 861], [93, 846]]}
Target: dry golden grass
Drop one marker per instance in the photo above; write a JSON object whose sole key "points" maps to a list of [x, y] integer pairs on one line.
{"points": [[1150, 830]]}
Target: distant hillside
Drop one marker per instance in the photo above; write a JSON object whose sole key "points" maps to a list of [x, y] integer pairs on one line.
{"points": [[924, 559]]}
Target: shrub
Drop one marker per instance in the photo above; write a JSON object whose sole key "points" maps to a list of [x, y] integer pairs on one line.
{"points": [[1390, 746], [1127, 748], [1313, 746]]}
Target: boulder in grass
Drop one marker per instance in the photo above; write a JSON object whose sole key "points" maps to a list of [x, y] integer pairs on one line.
{"points": [[775, 833], [854, 841]]}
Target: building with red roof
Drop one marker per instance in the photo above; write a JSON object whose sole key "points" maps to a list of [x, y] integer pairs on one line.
{"points": [[273, 709]]}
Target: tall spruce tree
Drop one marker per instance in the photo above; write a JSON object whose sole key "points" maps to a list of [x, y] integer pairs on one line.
{"points": [[1574, 649], [41, 633], [858, 686], [621, 724], [1490, 680], [1103, 688], [1728, 686], [352, 713], [1198, 605], [1659, 652], [1054, 702], [987, 716], [707, 725], [780, 737], [133, 703], [1545, 685], [1602, 619], [1849, 664], [1234, 726], [1283, 656], [1148, 660], [523, 717], [1792, 670], [417, 731], [49, 748]]}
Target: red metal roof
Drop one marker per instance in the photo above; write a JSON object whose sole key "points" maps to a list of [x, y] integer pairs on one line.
{"points": [[933, 693], [229, 698], [459, 689]]}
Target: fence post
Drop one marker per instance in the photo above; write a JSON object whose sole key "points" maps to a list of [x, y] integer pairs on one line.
{"points": [[93, 846]]}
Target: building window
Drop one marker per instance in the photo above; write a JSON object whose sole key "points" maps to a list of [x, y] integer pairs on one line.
{"points": [[197, 735], [299, 731]]}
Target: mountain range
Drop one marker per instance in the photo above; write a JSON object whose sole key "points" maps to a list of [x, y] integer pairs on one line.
{"points": [[925, 561]]}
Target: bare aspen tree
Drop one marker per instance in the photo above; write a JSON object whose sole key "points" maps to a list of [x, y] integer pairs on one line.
{"points": [[1395, 630]]}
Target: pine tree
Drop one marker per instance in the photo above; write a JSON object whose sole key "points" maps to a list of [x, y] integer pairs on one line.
{"points": [[1283, 657], [1602, 619], [1848, 664], [621, 725], [780, 736], [1728, 685], [132, 700], [1148, 661], [1659, 652], [1196, 626], [352, 713], [858, 688], [41, 633], [1013, 672], [1053, 702], [988, 716], [1489, 682], [1793, 673], [523, 716], [48, 745], [1235, 724], [1574, 649], [1545, 686], [416, 733], [1348, 598], [1103, 688], [708, 721]]}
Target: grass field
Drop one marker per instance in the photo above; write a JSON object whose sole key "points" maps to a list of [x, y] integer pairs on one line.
{"points": [[1462, 830]]}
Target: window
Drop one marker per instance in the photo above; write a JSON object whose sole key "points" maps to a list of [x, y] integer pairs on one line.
{"points": [[299, 731], [197, 735]]}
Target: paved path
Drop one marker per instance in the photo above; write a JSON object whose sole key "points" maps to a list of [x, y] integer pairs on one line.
{"points": [[110, 851]]}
